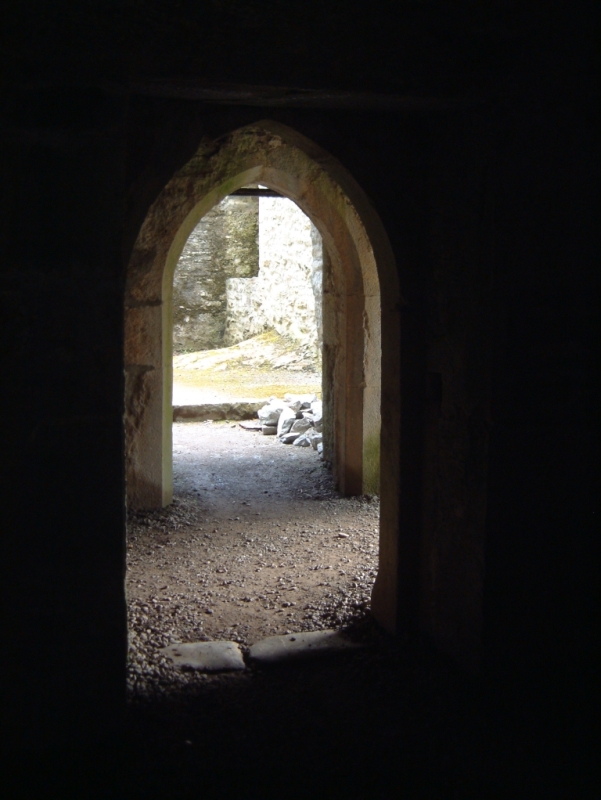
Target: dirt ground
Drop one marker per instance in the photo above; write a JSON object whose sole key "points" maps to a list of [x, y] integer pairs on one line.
{"points": [[256, 543]]}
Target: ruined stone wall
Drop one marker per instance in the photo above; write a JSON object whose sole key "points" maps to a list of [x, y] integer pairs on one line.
{"points": [[286, 294], [286, 269], [223, 245], [248, 266]]}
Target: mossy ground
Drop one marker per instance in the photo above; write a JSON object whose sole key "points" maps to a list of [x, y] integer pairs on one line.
{"points": [[268, 364]]}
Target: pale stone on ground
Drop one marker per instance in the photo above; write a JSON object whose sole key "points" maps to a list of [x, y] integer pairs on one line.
{"points": [[206, 656], [286, 420], [309, 438], [253, 425], [300, 426], [270, 413], [294, 646]]}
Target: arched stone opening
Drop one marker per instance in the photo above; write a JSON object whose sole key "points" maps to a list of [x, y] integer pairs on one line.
{"points": [[360, 313]]}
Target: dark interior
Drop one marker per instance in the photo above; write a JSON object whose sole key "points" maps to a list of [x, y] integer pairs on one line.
{"points": [[472, 130]]}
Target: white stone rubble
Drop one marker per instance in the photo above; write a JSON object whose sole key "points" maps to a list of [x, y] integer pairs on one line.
{"points": [[286, 420], [300, 425], [297, 419], [270, 413]]}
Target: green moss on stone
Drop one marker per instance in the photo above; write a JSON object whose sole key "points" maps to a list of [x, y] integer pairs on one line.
{"points": [[371, 464]]}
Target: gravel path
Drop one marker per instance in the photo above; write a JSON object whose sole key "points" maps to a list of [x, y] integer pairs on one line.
{"points": [[256, 543]]}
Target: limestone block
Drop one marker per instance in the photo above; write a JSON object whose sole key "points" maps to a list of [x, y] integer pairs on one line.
{"points": [[206, 656], [300, 426], [317, 412], [140, 342], [269, 414], [286, 420], [309, 438], [253, 425], [285, 427], [290, 647]]}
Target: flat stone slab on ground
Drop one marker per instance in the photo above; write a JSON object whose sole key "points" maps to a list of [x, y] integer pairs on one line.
{"points": [[252, 425], [294, 646], [206, 656]]}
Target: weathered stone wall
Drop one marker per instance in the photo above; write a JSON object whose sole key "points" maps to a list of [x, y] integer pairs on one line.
{"points": [[317, 281], [223, 245], [285, 280], [286, 294], [249, 265]]}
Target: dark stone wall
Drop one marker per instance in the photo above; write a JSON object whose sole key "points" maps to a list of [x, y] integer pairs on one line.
{"points": [[484, 181], [542, 507], [223, 245], [62, 426]]}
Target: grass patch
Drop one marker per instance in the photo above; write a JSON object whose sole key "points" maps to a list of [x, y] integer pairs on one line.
{"points": [[266, 365]]}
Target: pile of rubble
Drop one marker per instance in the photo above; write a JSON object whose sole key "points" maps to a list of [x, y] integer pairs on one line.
{"points": [[297, 419]]}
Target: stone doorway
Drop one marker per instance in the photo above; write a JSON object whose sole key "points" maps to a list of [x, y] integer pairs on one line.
{"points": [[360, 321]]}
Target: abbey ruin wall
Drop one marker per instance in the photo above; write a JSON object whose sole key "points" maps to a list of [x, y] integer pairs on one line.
{"points": [[250, 265]]}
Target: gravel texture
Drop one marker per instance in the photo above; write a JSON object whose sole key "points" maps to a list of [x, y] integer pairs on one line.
{"points": [[256, 543]]}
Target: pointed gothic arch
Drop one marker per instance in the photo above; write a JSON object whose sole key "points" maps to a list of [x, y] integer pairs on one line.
{"points": [[361, 320]]}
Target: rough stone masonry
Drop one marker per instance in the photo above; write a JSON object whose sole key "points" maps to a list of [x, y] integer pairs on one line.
{"points": [[223, 245], [250, 265]]}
